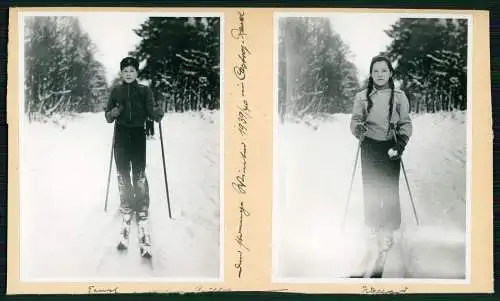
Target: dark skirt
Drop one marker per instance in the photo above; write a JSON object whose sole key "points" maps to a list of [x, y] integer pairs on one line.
{"points": [[380, 186]]}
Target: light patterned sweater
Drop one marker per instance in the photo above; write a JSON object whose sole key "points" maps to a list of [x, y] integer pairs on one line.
{"points": [[377, 122]]}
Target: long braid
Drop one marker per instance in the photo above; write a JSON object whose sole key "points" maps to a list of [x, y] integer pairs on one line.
{"points": [[391, 101], [368, 92]]}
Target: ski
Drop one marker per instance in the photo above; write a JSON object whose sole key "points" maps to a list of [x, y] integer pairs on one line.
{"points": [[146, 255], [146, 252], [364, 264], [378, 267], [124, 234], [122, 245], [373, 262], [144, 240]]}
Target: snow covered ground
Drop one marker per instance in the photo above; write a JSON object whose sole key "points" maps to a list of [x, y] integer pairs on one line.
{"points": [[65, 233], [314, 165]]}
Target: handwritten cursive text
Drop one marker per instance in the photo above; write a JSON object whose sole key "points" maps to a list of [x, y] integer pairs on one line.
{"points": [[239, 32], [372, 290], [239, 237], [243, 116], [239, 182], [94, 290]]}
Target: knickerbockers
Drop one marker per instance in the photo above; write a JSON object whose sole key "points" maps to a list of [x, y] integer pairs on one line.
{"points": [[130, 156]]}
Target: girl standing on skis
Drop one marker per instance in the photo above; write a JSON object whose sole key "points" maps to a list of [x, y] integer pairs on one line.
{"points": [[381, 121], [129, 105]]}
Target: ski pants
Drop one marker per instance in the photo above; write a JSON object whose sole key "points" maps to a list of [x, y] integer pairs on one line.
{"points": [[130, 155]]}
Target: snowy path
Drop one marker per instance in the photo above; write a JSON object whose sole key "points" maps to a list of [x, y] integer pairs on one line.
{"points": [[66, 234], [315, 168]]}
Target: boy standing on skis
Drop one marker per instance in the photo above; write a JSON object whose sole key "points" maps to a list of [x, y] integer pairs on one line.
{"points": [[129, 105]]}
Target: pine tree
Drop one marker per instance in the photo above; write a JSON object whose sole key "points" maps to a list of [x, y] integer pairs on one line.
{"points": [[431, 62], [61, 72], [315, 74], [181, 59]]}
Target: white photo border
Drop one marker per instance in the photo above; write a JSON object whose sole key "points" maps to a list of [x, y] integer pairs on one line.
{"points": [[275, 221], [21, 69]]}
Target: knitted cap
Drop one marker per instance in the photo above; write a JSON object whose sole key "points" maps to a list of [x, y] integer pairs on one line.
{"points": [[129, 61], [381, 57]]}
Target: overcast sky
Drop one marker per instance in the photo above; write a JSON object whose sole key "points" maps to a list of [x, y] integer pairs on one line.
{"points": [[364, 34], [112, 34]]}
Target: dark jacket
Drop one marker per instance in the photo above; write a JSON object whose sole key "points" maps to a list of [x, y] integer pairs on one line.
{"points": [[135, 102]]}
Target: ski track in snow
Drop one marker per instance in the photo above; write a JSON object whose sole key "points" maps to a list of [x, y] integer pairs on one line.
{"points": [[315, 168], [65, 233]]}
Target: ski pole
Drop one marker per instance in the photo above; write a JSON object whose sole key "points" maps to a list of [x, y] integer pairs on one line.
{"points": [[109, 170], [164, 169], [408, 185], [350, 187], [411, 197]]}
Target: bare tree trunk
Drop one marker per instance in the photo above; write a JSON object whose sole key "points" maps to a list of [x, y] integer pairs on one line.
{"points": [[51, 110], [440, 102], [283, 100], [303, 111], [450, 104], [183, 95], [290, 67], [434, 99], [67, 104], [426, 100], [198, 100], [318, 107], [189, 103]]}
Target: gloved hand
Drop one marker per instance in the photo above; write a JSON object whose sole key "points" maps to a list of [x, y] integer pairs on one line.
{"points": [[393, 153], [359, 131], [158, 112], [115, 112], [397, 150]]}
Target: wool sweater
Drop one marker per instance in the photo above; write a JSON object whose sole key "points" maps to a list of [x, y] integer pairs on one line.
{"points": [[377, 122]]}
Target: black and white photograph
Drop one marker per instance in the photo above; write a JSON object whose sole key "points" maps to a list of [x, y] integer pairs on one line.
{"points": [[121, 122], [371, 147]]}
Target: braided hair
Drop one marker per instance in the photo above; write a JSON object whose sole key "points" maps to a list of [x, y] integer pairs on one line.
{"points": [[371, 84]]}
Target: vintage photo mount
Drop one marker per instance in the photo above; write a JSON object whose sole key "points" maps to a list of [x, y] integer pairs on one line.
{"points": [[248, 43]]}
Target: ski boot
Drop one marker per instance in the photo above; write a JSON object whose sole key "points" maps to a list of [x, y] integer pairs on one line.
{"points": [[362, 268], [124, 232], [385, 243], [144, 239]]}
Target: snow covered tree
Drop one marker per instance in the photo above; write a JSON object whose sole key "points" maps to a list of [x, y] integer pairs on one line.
{"points": [[430, 58], [61, 73], [315, 74], [181, 59]]}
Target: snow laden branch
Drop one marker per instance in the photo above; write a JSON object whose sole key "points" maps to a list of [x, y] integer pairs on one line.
{"points": [[434, 74], [184, 66], [62, 74], [316, 74], [51, 110]]}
